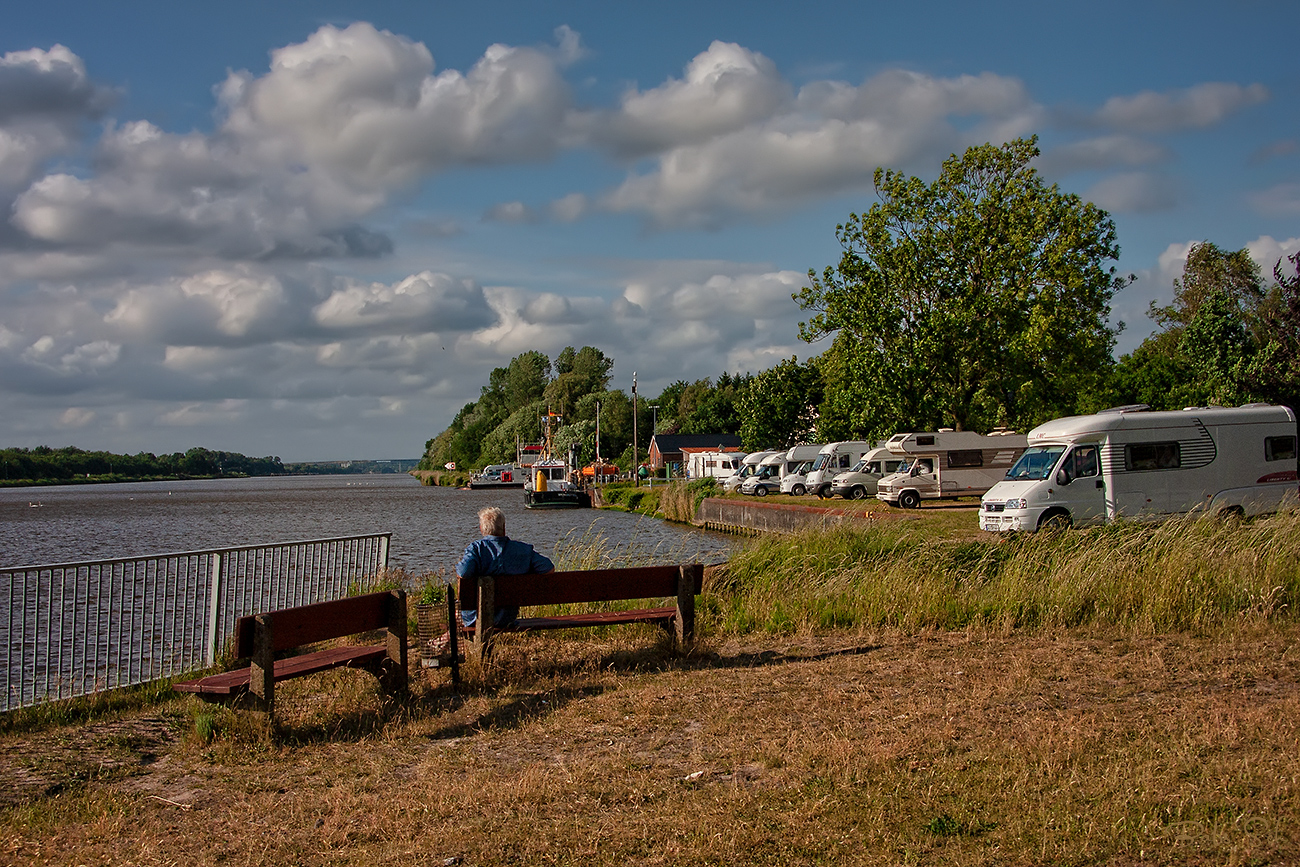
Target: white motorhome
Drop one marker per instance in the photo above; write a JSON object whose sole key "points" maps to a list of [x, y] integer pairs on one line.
{"points": [[717, 465], [946, 464], [1135, 463], [834, 458], [748, 467], [860, 481], [774, 469]]}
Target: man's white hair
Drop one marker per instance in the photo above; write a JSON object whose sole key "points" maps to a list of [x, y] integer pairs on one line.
{"points": [[491, 521]]}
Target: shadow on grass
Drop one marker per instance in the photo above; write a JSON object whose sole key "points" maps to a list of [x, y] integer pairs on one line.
{"points": [[516, 713]]}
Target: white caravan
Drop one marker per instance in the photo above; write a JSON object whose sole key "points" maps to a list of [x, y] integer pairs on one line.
{"points": [[1135, 463], [773, 470], [948, 463], [860, 481], [717, 465], [833, 459], [748, 466]]}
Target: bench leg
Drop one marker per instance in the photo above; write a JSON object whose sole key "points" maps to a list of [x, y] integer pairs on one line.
{"points": [[688, 580], [484, 626], [394, 674], [261, 684]]}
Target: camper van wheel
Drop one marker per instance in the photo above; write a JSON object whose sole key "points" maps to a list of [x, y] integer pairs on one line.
{"points": [[761, 490], [909, 500], [798, 490], [1055, 521], [1231, 514], [858, 492], [824, 492]]}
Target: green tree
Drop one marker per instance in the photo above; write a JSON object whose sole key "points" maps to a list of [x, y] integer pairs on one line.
{"points": [[779, 409], [1274, 373], [975, 301]]}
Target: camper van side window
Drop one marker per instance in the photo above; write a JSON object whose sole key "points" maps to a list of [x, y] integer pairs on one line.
{"points": [[925, 441], [1279, 448], [966, 458], [1152, 456]]}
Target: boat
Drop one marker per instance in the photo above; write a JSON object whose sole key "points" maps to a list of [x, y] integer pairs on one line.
{"points": [[498, 476], [550, 478]]}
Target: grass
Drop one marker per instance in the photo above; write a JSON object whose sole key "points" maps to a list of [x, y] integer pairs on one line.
{"points": [[879, 695], [1191, 574]]}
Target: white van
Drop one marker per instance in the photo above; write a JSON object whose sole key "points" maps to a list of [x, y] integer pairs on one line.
{"points": [[1135, 463], [860, 481], [748, 466], [717, 465], [948, 463], [786, 464], [795, 482], [834, 458]]}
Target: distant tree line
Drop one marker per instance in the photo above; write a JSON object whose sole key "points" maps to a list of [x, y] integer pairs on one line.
{"points": [[977, 301], [42, 465]]}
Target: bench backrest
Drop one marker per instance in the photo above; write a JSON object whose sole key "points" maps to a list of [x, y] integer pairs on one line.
{"points": [[583, 585], [294, 627]]}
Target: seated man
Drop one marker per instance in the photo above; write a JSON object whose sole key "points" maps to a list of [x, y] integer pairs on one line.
{"points": [[496, 554]]}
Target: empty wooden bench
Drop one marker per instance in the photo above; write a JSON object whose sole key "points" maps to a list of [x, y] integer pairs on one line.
{"points": [[680, 583], [261, 636]]}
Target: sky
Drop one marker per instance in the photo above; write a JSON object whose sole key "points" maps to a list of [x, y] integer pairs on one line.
{"points": [[311, 230]]}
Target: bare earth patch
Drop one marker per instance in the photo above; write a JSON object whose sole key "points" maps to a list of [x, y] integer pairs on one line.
{"points": [[829, 748]]}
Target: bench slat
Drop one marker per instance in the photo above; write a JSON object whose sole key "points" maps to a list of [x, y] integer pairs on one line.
{"points": [[231, 682], [308, 624], [658, 616], [588, 585]]}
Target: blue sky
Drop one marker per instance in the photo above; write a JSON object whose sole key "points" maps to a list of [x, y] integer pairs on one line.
{"points": [[312, 229]]}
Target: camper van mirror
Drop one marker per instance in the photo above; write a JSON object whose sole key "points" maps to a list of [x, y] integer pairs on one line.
{"points": [[1063, 477]]}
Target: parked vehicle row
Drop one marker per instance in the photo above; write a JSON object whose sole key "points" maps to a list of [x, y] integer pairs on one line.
{"points": [[1125, 462]]}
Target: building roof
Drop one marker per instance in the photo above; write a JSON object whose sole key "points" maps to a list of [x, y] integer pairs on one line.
{"points": [[668, 443]]}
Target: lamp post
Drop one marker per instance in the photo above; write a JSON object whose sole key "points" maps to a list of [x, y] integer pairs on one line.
{"points": [[636, 479], [654, 429]]}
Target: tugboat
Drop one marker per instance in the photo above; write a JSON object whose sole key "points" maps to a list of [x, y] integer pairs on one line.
{"points": [[549, 485]]}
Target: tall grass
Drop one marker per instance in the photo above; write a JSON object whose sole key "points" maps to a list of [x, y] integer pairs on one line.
{"points": [[1189, 574]]}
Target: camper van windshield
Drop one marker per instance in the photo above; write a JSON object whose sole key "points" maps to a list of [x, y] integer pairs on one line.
{"points": [[1035, 464], [860, 466], [820, 461]]}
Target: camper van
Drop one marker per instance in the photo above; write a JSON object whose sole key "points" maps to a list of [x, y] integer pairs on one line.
{"points": [[1136, 463], [748, 467], [773, 470], [717, 465], [860, 481], [834, 458], [946, 464], [795, 482]]}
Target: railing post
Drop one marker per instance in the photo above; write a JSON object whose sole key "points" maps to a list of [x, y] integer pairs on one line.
{"points": [[214, 605]]}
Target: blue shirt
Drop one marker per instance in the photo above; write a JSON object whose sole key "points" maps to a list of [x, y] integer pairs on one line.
{"points": [[498, 555]]}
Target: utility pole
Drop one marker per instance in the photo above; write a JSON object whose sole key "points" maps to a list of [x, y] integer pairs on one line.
{"points": [[636, 478], [654, 429]]}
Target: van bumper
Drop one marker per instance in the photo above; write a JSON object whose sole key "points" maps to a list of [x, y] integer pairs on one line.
{"points": [[1009, 521]]}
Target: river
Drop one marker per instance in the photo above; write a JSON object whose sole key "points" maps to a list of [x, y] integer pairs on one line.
{"points": [[430, 525]]}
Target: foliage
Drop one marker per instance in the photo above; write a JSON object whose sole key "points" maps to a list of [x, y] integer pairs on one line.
{"points": [[1223, 340], [976, 301], [44, 464], [779, 408]]}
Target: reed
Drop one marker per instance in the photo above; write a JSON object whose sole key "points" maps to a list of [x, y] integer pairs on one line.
{"points": [[1187, 574]]}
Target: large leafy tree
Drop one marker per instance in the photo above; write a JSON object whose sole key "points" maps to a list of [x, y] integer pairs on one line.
{"points": [[1274, 372], [978, 300]]}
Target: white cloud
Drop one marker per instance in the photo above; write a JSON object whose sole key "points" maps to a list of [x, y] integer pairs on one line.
{"points": [[1198, 107], [425, 301], [1104, 152], [1134, 193], [76, 417], [1280, 200], [831, 138]]}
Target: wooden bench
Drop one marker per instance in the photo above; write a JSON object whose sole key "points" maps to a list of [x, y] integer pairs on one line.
{"points": [[681, 583], [261, 636]]}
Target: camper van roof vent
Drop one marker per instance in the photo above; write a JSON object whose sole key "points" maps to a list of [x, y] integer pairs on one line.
{"points": [[1129, 407], [945, 430]]}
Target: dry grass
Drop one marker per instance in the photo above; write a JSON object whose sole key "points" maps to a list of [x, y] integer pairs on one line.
{"points": [[1111, 697], [957, 748]]}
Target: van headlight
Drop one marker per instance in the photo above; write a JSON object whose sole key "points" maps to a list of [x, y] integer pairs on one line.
{"points": [[1017, 504]]}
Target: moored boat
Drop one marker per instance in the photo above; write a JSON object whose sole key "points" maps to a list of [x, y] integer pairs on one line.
{"points": [[550, 479], [498, 476]]}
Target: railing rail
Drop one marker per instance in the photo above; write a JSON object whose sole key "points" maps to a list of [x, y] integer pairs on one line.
{"points": [[72, 629]]}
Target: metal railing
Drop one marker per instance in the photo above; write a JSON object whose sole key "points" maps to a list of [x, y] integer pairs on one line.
{"points": [[72, 629]]}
